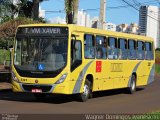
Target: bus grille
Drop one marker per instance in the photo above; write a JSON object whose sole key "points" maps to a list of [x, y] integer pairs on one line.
{"points": [[44, 88]]}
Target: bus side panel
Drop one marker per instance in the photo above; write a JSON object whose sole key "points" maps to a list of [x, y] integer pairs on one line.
{"points": [[145, 73], [123, 71]]}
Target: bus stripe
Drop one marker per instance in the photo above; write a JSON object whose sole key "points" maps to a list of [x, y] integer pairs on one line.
{"points": [[151, 75], [134, 70], [80, 79]]}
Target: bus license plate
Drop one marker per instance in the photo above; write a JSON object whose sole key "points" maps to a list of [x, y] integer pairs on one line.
{"points": [[36, 91]]}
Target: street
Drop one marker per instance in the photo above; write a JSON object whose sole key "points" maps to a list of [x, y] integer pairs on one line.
{"points": [[114, 101]]}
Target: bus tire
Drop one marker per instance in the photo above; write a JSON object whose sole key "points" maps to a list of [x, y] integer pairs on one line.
{"points": [[132, 86], [40, 96], [87, 91]]}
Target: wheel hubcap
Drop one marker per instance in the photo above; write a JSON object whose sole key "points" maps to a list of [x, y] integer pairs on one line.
{"points": [[85, 90], [133, 85]]}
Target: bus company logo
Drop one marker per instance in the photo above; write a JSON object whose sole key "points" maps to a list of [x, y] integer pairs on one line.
{"points": [[36, 81]]}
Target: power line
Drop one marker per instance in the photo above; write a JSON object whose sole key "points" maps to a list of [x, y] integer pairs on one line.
{"points": [[138, 9]]}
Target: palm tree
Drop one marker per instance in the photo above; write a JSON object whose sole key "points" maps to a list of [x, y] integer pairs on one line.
{"points": [[75, 11], [71, 7], [35, 10]]}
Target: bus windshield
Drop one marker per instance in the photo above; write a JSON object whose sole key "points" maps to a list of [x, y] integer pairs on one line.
{"points": [[40, 53]]}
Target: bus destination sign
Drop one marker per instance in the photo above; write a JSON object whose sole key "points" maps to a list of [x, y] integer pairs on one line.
{"points": [[42, 30]]}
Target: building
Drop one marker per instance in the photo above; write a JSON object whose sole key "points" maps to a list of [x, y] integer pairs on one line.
{"points": [[83, 19], [95, 22], [41, 13], [132, 28], [149, 18], [110, 26], [122, 28]]}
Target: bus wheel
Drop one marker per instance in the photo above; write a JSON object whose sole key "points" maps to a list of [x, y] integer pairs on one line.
{"points": [[87, 91], [132, 86], [40, 96]]}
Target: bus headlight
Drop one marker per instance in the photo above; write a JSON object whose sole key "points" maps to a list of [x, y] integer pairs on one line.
{"points": [[61, 79], [14, 77]]}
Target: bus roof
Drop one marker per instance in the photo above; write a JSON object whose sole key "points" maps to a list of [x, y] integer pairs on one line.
{"points": [[75, 28]]}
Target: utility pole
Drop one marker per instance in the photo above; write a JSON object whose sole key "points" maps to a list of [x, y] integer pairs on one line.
{"points": [[102, 16]]}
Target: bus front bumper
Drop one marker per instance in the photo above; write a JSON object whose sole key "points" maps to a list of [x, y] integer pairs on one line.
{"points": [[39, 88]]}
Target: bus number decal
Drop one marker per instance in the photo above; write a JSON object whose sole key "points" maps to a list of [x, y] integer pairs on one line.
{"points": [[98, 66], [116, 67]]}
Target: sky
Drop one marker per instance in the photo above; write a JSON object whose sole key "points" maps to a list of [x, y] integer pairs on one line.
{"points": [[117, 16]]}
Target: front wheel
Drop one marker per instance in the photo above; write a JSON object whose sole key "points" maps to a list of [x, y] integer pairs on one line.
{"points": [[87, 91], [132, 86]]}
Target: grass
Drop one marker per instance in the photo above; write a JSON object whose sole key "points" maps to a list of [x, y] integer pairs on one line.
{"points": [[157, 68], [4, 55], [147, 116]]}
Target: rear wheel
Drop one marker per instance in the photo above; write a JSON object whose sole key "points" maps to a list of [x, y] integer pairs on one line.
{"points": [[132, 86], [87, 91]]}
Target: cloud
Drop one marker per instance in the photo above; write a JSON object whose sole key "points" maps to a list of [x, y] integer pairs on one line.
{"points": [[57, 20]]}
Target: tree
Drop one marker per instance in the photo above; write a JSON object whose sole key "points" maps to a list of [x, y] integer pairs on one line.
{"points": [[9, 11], [71, 7], [75, 11], [35, 10], [25, 9]]}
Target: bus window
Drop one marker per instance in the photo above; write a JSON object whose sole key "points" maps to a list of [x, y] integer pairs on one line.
{"points": [[112, 48], [101, 50], [132, 49], [140, 50], [17, 54], [76, 54], [122, 49], [149, 51], [89, 46]]}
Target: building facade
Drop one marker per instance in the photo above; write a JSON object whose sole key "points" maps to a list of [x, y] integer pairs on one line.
{"points": [[149, 18], [132, 28], [110, 26], [83, 19]]}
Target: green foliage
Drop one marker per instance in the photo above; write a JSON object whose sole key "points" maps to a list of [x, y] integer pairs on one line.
{"points": [[158, 49], [157, 57], [157, 61], [157, 68], [24, 8], [4, 56]]}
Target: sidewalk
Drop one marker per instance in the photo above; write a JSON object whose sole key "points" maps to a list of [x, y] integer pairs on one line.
{"points": [[5, 86]]}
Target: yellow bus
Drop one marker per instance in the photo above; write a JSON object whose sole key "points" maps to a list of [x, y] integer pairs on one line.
{"points": [[69, 59]]}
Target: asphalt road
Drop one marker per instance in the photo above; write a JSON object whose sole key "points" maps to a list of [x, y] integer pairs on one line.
{"points": [[115, 101]]}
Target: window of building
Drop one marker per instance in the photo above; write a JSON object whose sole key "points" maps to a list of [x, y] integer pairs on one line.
{"points": [[112, 48], [101, 47], [149, 51], [132, 49], [122, 45], [140, 50], [89, 51]]}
